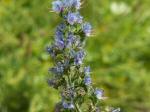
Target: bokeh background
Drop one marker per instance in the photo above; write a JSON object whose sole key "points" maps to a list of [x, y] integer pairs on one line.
{"points": [[119, 53]]}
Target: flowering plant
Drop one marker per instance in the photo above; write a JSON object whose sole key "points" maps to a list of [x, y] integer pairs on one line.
{"points": [[70, 76]]}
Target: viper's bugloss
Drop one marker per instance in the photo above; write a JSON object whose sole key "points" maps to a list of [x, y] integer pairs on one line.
{"points": [[71, 77]]}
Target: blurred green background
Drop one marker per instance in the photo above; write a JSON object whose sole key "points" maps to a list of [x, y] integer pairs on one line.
{"points": [[119, 53]]}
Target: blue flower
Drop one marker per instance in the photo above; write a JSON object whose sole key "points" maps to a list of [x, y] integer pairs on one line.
{"points": [[87, 80], [61, 27], [59, 69], [99, 93], [87, 29], [78, 61], [59, 31], [68, 3], [68, 54], [79, 57], [87, 70], [72, 18], [51, 51], [60, 44], [57, 6], [68, 105], [70, 40], [77, 4], [79, 18], [59, 39], [72, 3], [59, 35], [65, 105]]}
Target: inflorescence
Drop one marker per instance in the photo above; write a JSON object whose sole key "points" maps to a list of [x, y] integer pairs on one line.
{"points": [[70, 76]]}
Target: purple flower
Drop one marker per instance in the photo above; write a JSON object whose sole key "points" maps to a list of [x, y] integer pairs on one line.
{"points": [[72, 3], [87, 70], [68, 3], [65, 105], [87, 28], [77, 4], [72, 18], [59, 41], [79, 57], [57, 6], [99, 93], [87, 80], [73, 41], [59, 35], [60, 44], [68, 105], [79, 18], [59, 31], [78, 61], [61, 27], [68, 56], [70, 40]]}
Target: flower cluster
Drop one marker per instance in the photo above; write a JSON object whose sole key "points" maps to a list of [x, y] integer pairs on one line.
{"points": [[61, 5], [70, 76]]}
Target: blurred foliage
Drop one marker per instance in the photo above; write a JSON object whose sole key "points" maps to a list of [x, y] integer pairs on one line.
{"points": [[119, 53]]}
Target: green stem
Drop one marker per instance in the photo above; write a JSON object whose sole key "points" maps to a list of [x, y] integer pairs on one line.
{"points": [[77, 107]]}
